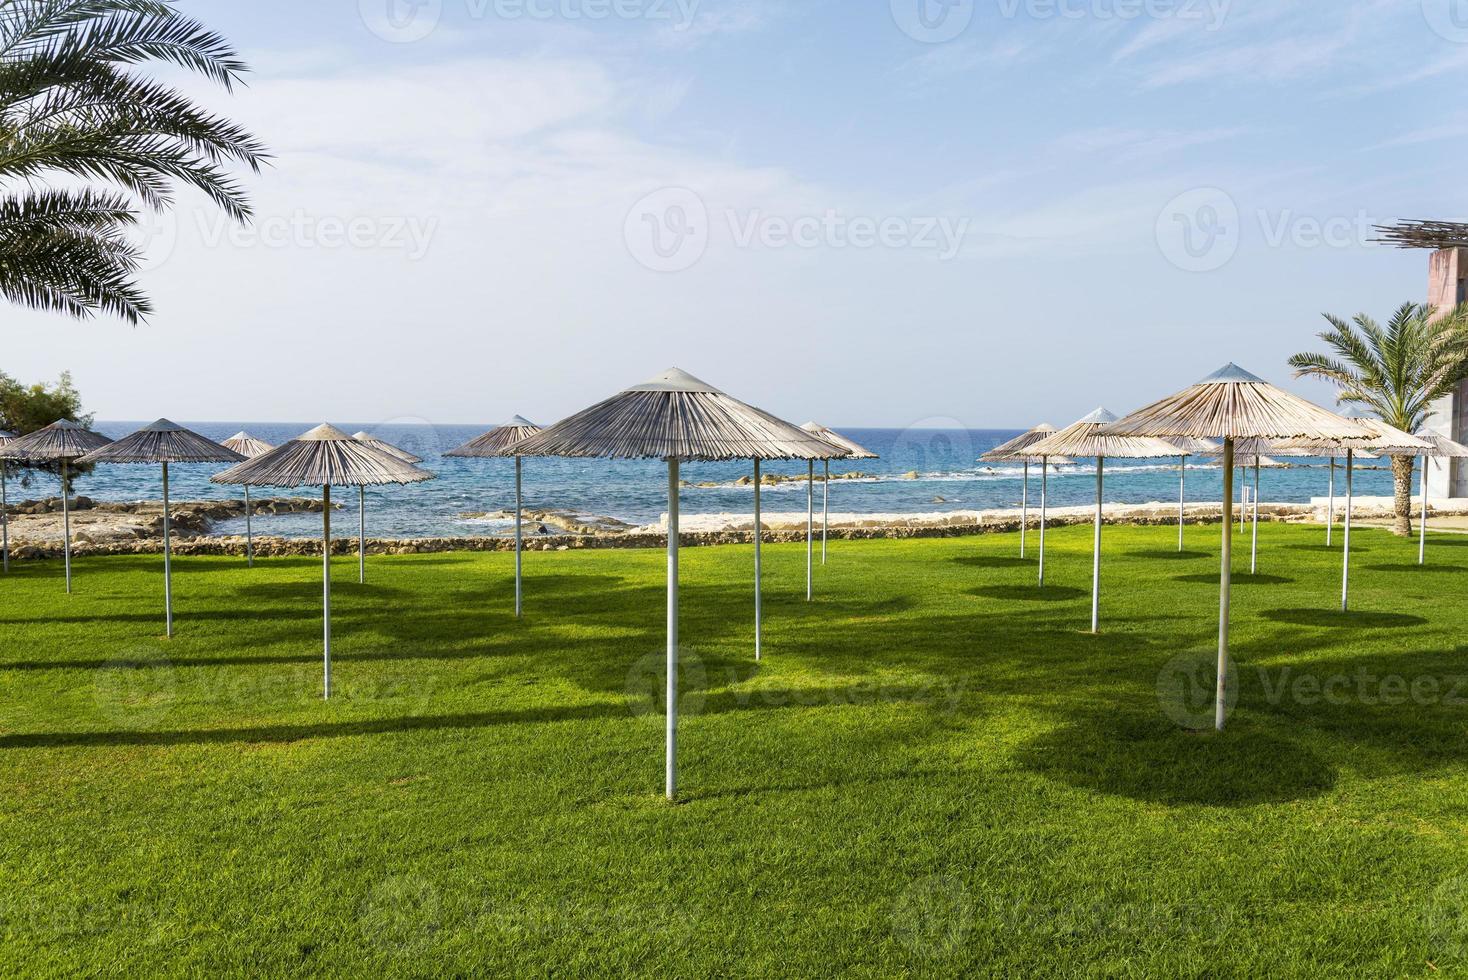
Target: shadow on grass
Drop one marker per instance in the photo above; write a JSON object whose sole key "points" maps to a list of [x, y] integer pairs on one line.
{"points": [[1145, 757], [1337, 619], [1415, 568], [1027, 593], [1167, 554], [1238, 578]]}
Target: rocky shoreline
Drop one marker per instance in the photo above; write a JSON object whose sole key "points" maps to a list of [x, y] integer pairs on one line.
{"points": [[136, 528]]}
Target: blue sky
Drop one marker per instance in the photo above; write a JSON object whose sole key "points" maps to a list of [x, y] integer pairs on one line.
{"points": [[996, 213]]}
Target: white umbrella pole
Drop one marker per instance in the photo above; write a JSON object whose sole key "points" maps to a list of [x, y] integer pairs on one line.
{"points": [[1182, 496], [167, 559], [1024, 509], [65, 527], [1224, 583], [519, 534], [825, 509], [326, 586], [361, 534], [1044, 502], [758, 535], [1330, 506], [1243, 497], [671, 768], [1096, 552], [4, 521], [1421, 540], [249, 534], [810, 525], [1346, 552], [1254, 544]]}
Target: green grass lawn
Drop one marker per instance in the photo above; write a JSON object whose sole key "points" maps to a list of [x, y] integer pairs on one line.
{"points": [[934, 771]]}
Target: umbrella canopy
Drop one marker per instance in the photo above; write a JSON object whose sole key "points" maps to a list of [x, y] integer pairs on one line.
{"points": [[163, 442], [853, 450], [1251, 460], [1233, 404], [1089, 437], [63, 440], [1016, 451], [675, 416], [247, 445], [325, 456], [1188, 446], [496, 441], [1011, 450], [386, 447]]}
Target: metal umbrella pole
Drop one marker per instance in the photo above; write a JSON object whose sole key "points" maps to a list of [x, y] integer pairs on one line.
{"points": [[361, 534], [519, 533], [167, 558], [1243, 497], [1422, 532], [65, 526], [810, 526], [1225, 574], [1024, 509], [326, 587], [758, 536], [1096, 551], [1346, 552], [1182, 496], [1330, 506], [1254, 544], [671, 763], [249, 534], [1044, 502]]}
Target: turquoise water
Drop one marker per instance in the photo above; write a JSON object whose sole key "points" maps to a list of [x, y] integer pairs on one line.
{"points": [[636, 491]]}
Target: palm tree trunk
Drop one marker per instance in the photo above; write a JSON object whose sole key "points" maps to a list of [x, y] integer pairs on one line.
{"points": [[1402, 468]]}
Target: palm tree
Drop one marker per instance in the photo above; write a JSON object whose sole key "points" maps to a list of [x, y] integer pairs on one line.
{"points": [[1396, 372], [71, 111]]}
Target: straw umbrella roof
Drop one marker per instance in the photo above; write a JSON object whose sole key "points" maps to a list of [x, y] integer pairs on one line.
{"points": [[675, 415], [1189, 446], [383, 446], [64, 439], [1250, 460], [247, 445], [325, 456], [1013, 449], [1232, 403], [494, 442], [163, 442], [1086, 438], [854, 450], [1382, 439], [1443, 447]]}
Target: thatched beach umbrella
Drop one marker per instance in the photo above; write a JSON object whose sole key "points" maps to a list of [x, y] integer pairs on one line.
{"points": [[1187, 448], [60, 442], [853, 451], [1382, 439], [1442, 448], [164, 442], [5, 438], [675, 417], [499, 442], [1255, 454], [386, 447], [1013, 451], [1085, 438], [1233, 404], [249, 447], [324, 457]]}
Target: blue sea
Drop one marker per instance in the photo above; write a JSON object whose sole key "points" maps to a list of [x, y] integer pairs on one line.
{"points": [[950, 477]]}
